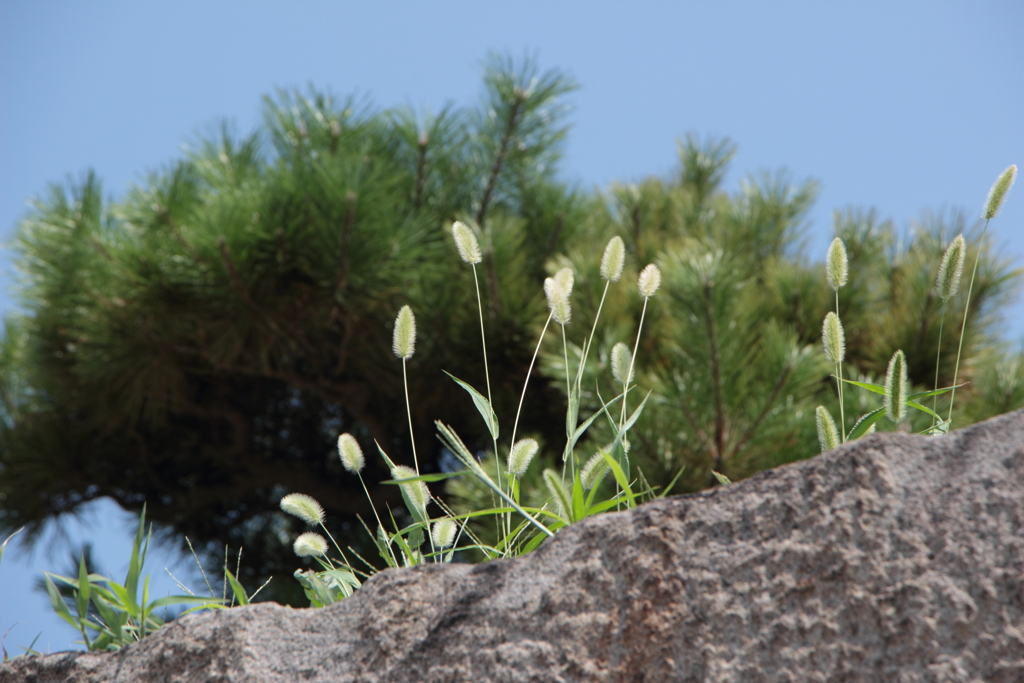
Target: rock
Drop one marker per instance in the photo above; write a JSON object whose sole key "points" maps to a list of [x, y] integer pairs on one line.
{"points": [[896, 558]]}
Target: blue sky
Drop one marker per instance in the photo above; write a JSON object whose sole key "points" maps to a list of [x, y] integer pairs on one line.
{"points": [[902, 107]]}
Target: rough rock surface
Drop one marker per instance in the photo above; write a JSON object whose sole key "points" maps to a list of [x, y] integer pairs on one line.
{"points": [[897, 558]]}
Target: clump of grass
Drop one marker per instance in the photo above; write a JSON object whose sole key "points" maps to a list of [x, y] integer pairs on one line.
{"points": [[896, 390], [570, 492], [110, 615]]}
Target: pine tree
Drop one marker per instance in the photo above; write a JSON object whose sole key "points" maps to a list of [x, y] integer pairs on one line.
{"points": [[199, 345]]}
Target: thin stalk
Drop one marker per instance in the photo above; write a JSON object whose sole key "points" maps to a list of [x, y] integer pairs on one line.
{"points": [[593, 330], [487, 377], [839, 384], [568, 394], [408, 412], [938, 355], [629, 374], [380, 524], [336, 546], [519, 410], [963, 327]]}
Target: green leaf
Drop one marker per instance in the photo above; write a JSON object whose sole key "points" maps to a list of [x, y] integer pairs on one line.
{"points": [[82, 596], [876, 388], [673, 482], [439, 476], [483, 406], [571, 444], [620, 477], [923, 409], [722, 479], [578, 507], [454, 443], [864, 423], [57, 600], [936, 392], [6, 540], [572, 411], [236, 588]]}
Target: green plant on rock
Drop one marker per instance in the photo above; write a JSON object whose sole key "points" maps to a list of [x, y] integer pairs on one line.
{"points": [[110, 615], [514, 520], [896, 389]]}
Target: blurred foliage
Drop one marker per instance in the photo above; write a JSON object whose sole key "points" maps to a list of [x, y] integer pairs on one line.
{"points": [[198, 345]]}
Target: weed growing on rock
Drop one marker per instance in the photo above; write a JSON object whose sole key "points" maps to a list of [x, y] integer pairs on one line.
{"points": [[570, 491], [896, 390]]}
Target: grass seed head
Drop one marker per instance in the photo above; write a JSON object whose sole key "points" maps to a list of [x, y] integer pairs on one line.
{"points": [[948, 281], [404, 343], [896, 388], [594, 471], [565, 280], [465, 242], [613, 259], [350, 453], [833, 338], [310, 544], [558, 298], [828, 434], [416, 491], [650, 280], [997, 194], [304, 507], [443, 532], [521, 455], [621, 359], [836, 265]]}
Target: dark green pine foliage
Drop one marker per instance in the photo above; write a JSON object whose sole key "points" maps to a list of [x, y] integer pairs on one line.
{"points": [[199, 345], [731, 347]]}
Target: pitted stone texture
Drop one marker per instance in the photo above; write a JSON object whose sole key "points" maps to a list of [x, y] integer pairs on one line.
{"points": [[896, 558]]}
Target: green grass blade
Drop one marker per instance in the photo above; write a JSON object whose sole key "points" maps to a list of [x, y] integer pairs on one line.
{"points": [[7, 540], [483, 406], [876, 388], [620, 477], [923, 409], [236, 588], [864, 423], [57, 600], [82, 597], [438, 476], [450, 439], [579, 509], [672, 483]]}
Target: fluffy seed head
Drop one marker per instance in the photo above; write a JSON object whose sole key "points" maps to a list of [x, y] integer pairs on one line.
{"points": [[835, 264], [350, 453], [614, 257], [998, 192], [833, 338], [828, 434], [554, 483], [948, 281], [465, 242], [896, 388], [594, 471], [558, 299], [565, 279], [416, 491], [520, 456], [621, 358], [443, 532], [650, 280], [304, 507], [310, 544], [404, 343]]}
